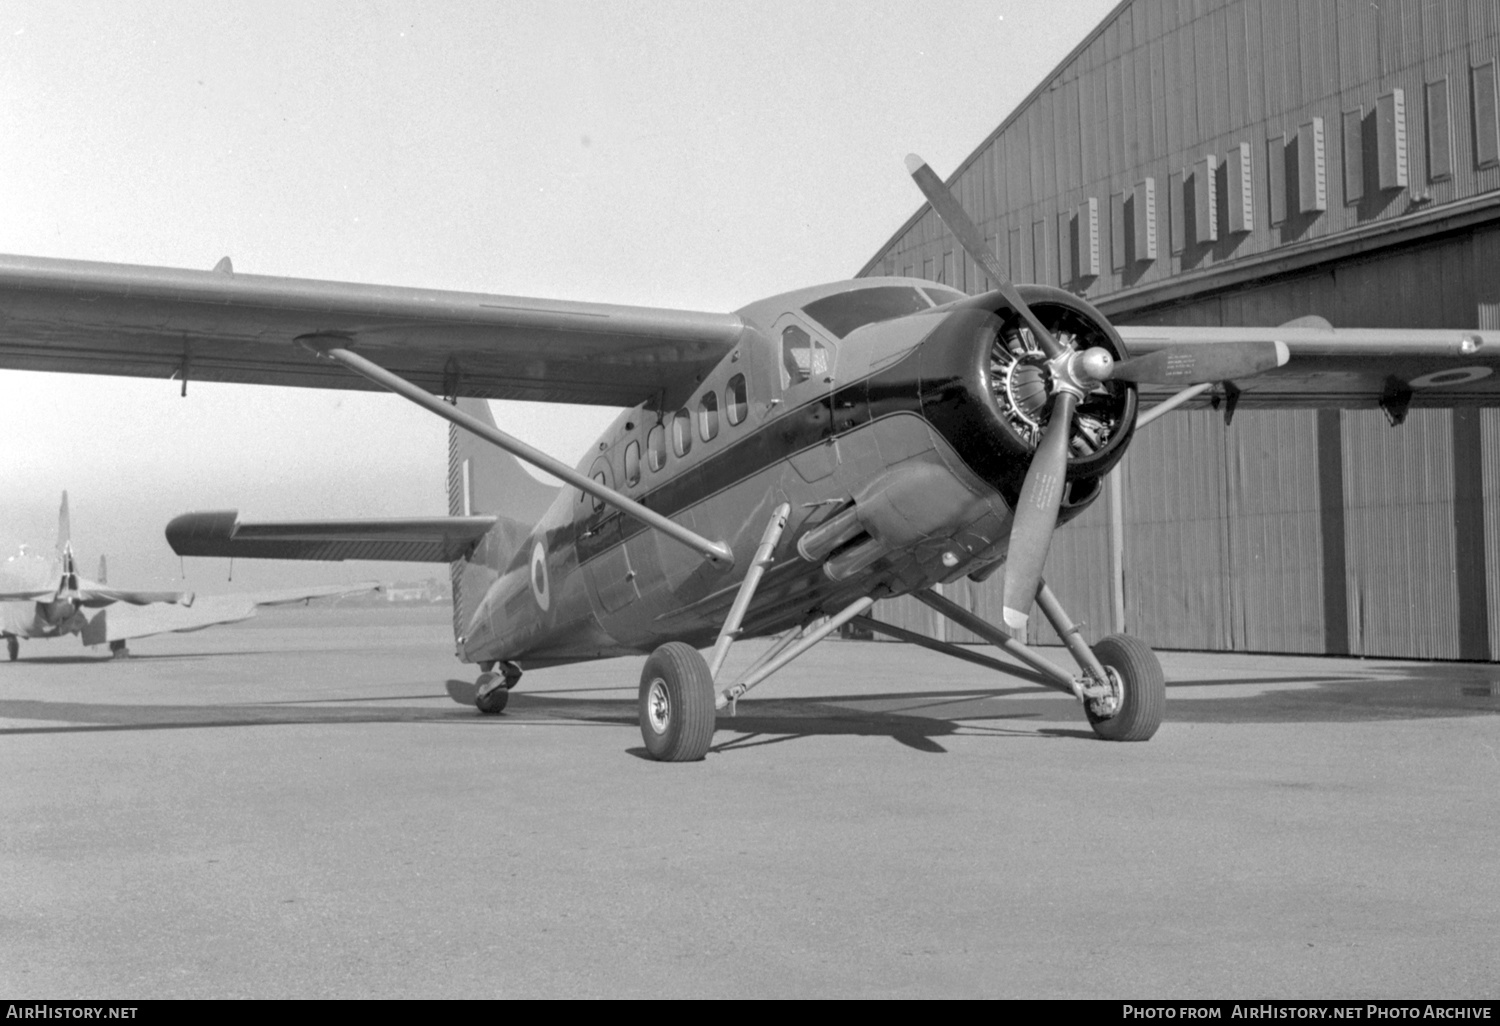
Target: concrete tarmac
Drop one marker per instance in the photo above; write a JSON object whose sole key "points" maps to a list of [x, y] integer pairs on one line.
{"points": [[295, 807]]}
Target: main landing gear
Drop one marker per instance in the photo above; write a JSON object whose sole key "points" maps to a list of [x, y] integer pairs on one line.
{"points": [[1120, 683], [13, 647], [117, 650], [1121, 686], [492, 689]]}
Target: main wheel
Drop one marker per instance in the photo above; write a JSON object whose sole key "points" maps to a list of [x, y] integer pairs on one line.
{"points": [[13, 647], [491, 693], [677, 704], [1143, 700]]}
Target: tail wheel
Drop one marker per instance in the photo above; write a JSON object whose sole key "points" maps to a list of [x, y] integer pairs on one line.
{"points": [[491, 693], [1142, 701], [677, 704]]}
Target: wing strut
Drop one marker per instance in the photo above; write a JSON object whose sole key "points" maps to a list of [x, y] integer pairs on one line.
{"points": [[716, 552]]}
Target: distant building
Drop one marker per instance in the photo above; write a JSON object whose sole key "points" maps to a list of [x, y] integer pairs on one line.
{"points": [[1250, 162]]}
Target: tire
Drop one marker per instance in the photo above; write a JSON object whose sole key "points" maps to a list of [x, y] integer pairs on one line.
{"points": [[677, 704], [13, 647], [493, 701], [1145, 700]]}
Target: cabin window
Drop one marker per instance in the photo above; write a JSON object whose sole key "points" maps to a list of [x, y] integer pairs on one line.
{"points": [[682, 433], [708, 417], [656, 448], [802, 356], [632, 464], [736, 402], [598, 502]]}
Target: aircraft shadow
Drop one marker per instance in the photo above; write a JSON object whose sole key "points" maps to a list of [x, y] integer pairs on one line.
{"points": [[915, 719]]}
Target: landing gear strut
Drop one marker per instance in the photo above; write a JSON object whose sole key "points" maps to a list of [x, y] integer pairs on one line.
{"points": [[1121, 686], [678, 705], [13, 647], [492, 689]]}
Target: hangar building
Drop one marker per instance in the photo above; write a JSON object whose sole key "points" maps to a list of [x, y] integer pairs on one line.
{"points": [[1207, 162]]}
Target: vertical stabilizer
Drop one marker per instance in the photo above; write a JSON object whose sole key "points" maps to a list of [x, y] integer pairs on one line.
{"points": [[483, 479], [64, 530]]}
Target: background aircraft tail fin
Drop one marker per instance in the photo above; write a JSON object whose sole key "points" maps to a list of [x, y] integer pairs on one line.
{"points": [[483, 479], [64, 529]]}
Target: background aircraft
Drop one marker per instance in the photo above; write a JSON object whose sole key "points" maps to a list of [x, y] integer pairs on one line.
{"points": [[776, 470], [48, 598]]}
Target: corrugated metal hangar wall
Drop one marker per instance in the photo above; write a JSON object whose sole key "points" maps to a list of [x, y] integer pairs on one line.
{"points": [[1248, 162]]}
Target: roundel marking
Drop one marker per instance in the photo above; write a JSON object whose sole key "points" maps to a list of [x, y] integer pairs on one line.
{"points": [[539, 586], [1454, 376]]}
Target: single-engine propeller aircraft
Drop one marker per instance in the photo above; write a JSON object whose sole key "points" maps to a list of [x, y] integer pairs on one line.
{"points": [[41, 598], [777, 470]]}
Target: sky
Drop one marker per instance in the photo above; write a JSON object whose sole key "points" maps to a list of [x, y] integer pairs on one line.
{"points": [[670, 154]]}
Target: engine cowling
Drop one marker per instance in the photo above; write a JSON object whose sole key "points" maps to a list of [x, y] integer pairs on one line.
{"points": [[986, 386]]}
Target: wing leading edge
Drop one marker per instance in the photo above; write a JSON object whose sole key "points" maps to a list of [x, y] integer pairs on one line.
{"points": [[100, 318]]}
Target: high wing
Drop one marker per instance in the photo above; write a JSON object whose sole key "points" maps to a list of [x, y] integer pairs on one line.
{"points": [[85, 317], [1347, 367], [409, 539], [122, 623]]}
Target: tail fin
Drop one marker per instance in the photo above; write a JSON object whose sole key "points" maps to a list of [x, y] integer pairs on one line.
{"points": [[485, 479], [64, 530]]}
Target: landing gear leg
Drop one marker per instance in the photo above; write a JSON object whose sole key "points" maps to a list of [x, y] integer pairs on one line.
{"points": [[1121, 684], [492, 689], [13, 647], [117, 650], [677, 701], [1124, 691]]}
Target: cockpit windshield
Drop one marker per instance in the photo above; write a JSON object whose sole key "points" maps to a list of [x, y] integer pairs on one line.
{"points": [[846, 311]]}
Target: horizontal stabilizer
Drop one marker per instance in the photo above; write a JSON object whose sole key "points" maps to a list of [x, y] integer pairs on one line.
{"points": [[34, 595], [409, 539]]}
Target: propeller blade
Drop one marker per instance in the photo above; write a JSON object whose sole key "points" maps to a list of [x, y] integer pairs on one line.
{"points": [[1036, 514], [952, 214], [1200, 364]]}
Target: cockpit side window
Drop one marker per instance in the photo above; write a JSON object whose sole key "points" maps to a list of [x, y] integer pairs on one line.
{"points": [[802, 356], [736, 401]]}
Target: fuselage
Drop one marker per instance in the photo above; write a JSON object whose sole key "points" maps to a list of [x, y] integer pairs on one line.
{"points": [[886, 413], [52, 617]]}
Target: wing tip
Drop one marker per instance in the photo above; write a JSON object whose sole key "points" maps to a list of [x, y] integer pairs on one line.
{"points": [[914, 163]]}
